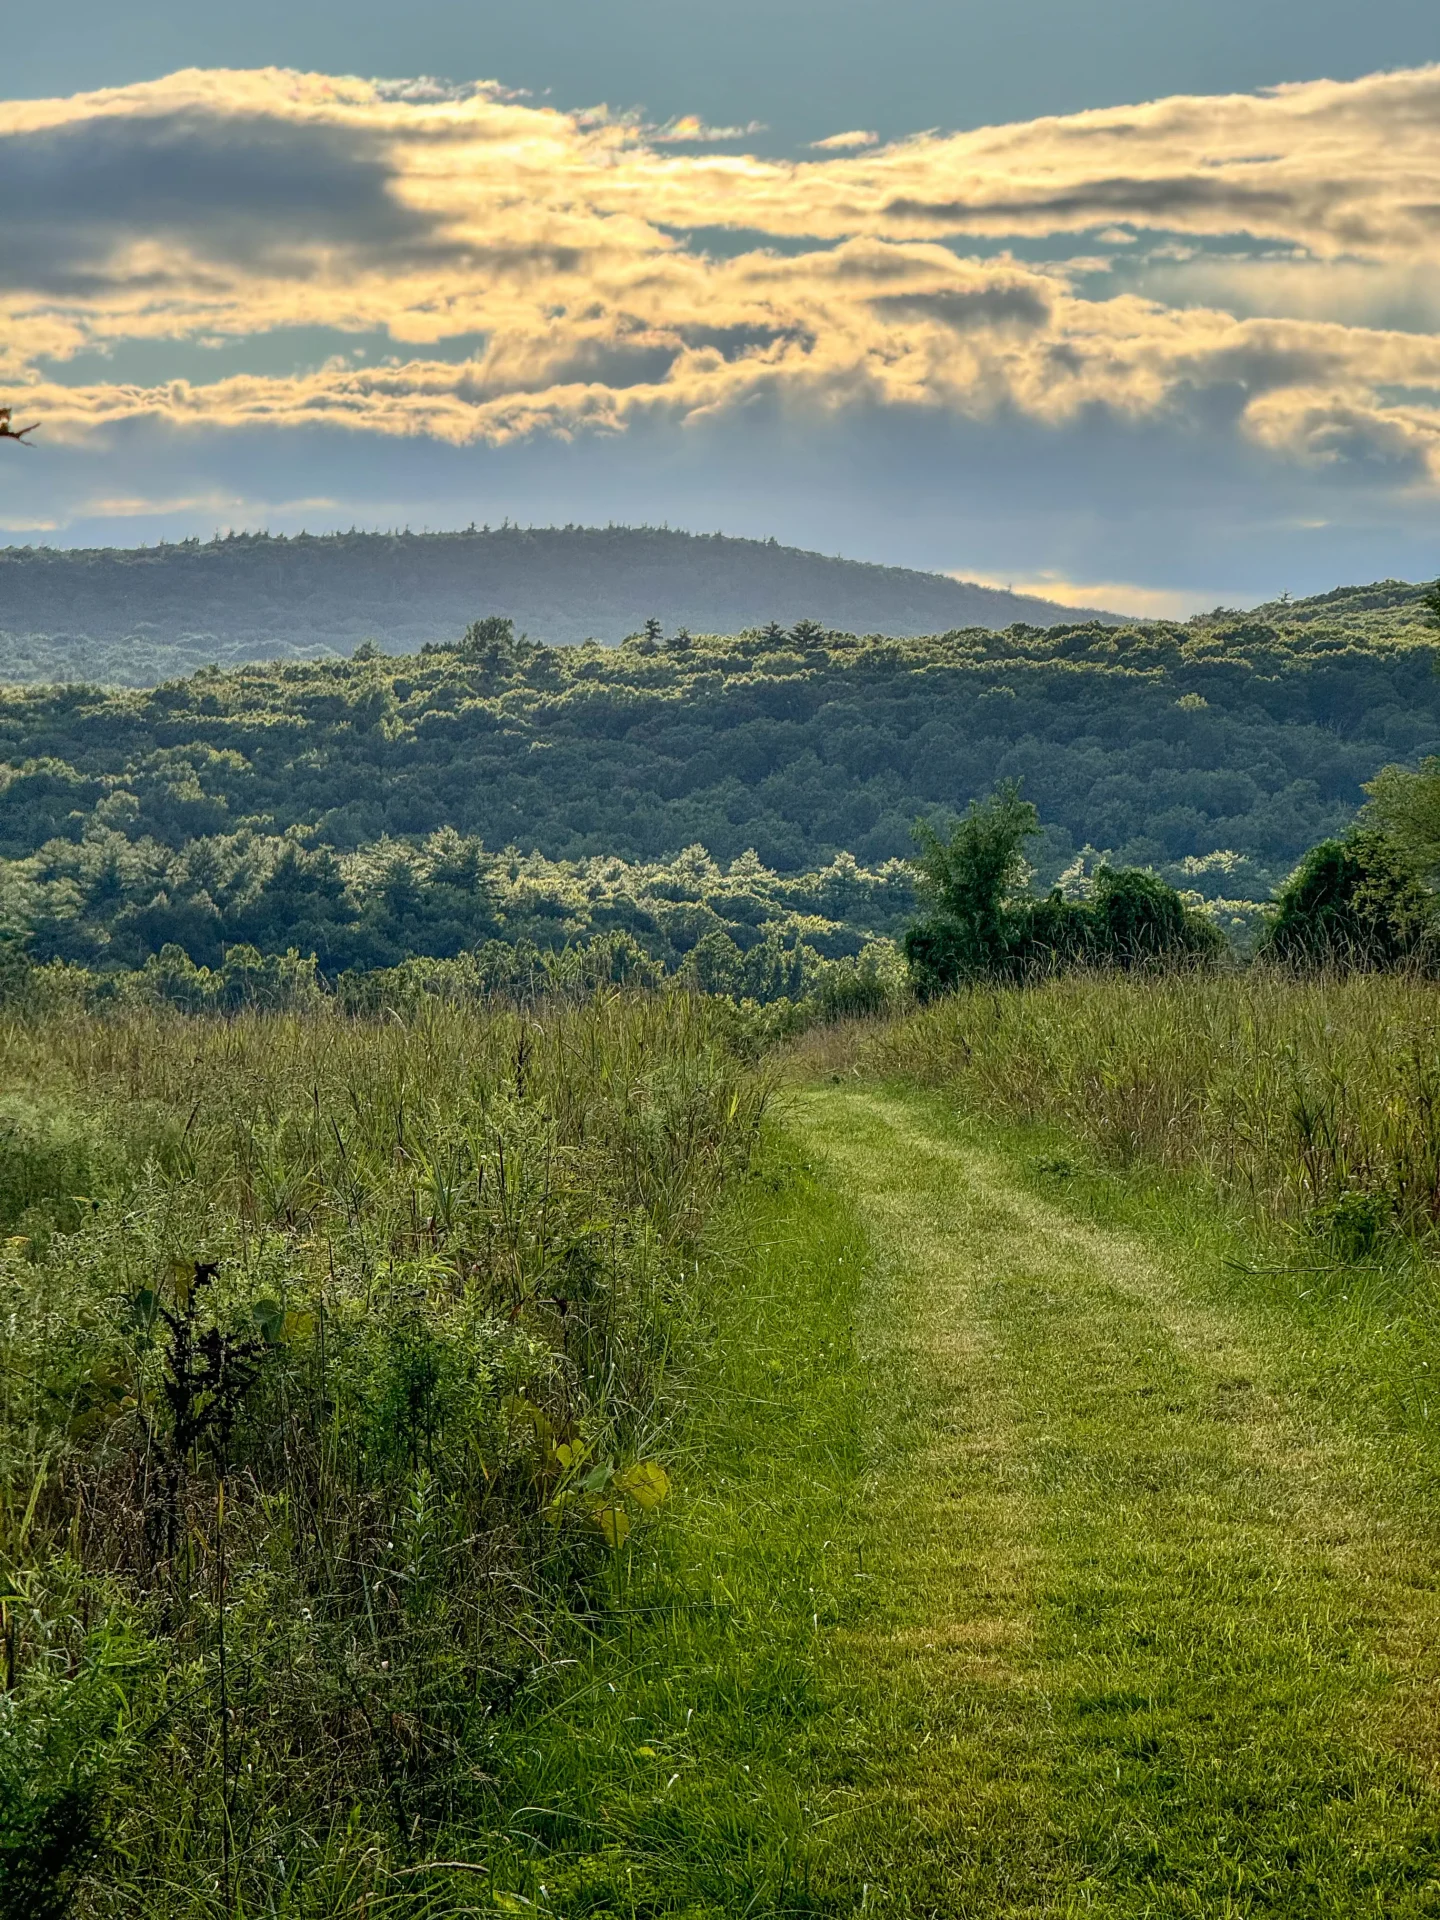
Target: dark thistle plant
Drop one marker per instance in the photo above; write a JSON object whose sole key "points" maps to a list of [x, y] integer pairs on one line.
{"points": [[207, 1375]]}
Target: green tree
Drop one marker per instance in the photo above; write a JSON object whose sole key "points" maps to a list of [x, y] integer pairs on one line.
{"points": [[966, 878], [1352, 904], [980, 926], [1404, 805], [715, 965], [490, 643], [492, 634]]}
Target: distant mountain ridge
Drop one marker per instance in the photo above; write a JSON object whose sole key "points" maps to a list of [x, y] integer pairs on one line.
{"points": [[134, 616]]}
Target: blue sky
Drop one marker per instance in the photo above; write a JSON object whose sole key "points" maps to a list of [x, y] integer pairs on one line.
{"points": [[876, 279], [805, 68]]}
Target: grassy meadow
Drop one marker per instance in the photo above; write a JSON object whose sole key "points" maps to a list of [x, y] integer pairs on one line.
{"points": [[336, 1387], [974, 1462], [1311, 1101]]}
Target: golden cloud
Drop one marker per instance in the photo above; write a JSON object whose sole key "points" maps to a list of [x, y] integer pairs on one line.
{"points": [[217, 206]]}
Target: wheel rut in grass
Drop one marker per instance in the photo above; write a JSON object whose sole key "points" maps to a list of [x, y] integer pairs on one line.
{"points": [[1137, 1628]]}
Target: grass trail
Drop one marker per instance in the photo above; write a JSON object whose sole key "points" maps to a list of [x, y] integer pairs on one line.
{"points": [[1151, 1624], [1025, 1562], [698, 1752]]}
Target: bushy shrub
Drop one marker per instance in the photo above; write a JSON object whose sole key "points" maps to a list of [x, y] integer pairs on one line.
{"points": [[1354, 903], [982, 927], [860, 988], [1140, 921], [245, 978]]}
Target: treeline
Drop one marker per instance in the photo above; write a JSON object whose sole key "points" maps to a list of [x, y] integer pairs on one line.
{"points": [[773, 990], [1366, 900], [296, 805], [111, 901]]}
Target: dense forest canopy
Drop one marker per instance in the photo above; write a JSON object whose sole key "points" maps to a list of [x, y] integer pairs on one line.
{"points": [[140, 616], [373, 807]]}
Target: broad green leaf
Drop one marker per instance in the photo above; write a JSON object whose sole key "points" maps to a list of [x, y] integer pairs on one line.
{"points": [[269, 1316]]}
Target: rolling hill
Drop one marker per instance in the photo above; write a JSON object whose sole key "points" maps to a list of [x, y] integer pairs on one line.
{"points": [[134, 617], [376, 807]]}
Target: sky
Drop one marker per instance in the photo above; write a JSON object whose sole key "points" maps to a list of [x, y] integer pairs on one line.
{"points": [[1135, 305]]}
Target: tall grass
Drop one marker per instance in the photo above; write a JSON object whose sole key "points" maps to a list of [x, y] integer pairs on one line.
{"points": [[334, 1384], [1309, 1098]]}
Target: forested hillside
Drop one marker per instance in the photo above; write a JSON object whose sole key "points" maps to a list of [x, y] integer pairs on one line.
{"points": [[132, 618], [363, 809]]}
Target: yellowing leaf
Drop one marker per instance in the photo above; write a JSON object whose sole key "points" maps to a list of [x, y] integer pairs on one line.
{"points": [[614, 1523], [647, 1484]]}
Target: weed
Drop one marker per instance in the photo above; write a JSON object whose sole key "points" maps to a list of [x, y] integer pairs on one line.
{"points": [[1056, 1166]]}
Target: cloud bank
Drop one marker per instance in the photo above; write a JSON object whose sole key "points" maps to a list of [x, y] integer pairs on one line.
{"points": [[1262, 266]]}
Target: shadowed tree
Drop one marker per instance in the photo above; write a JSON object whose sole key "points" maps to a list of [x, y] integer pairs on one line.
{"points": [[1404, 806], [982, 925], [1353, 904]]}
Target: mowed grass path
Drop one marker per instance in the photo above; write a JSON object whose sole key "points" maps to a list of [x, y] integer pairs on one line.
{"points": [[1149, 1621]]}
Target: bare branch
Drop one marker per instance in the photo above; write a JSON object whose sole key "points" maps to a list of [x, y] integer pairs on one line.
{"points": [[7, 432]]}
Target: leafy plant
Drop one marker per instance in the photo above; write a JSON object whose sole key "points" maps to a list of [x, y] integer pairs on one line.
{"points": [[1352, 903], [982, 927], [967, 878]]}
